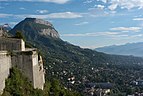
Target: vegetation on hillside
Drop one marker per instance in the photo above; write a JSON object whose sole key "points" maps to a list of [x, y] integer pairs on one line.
{"points": [[18, 85]]}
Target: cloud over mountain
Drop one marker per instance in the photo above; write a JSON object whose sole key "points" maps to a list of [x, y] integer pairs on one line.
{"points": [[53, 1]]}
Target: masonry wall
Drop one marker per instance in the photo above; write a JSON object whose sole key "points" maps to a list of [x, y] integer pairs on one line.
{"points": [[11, 44], [38, 72], [5, 65], [28, 62], [1, 31], [23, 60]]}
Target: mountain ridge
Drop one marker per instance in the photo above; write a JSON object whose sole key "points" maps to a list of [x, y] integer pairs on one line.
{"points": [[134, 49]]}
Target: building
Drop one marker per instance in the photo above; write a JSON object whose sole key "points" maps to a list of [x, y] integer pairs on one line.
{"points": [[98, 89], [13, 53]]}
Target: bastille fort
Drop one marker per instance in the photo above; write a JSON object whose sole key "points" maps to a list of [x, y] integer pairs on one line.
{"points": [[14, 54]]}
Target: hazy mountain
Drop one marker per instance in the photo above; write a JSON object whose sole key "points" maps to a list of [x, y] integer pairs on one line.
{"points": [[6, 27], [135, 49], [65, 61], [4, 30]]}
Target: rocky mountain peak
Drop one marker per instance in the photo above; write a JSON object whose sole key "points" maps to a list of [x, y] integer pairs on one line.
{"points": [[37, 27], [4, 29], [39, 21]]}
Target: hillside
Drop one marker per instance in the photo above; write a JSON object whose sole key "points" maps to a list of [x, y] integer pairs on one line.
{"points": [[134, 49], [18, 85], [65, 61]]}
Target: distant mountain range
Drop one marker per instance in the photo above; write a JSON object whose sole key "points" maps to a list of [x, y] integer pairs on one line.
{"points": [[135, 49]]}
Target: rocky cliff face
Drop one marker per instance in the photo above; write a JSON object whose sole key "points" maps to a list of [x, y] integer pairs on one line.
{"points": [[3, 31], [6, 27], [35, 27]]}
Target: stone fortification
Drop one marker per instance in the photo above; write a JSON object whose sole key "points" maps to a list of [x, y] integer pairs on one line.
{"points": [[1, 31], [11, 44], [5, 65], [27, 60]]}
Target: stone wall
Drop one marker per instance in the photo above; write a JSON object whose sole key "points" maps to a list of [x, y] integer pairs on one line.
{"points": [[38, 72], [5, 65], [11, 44], [29, 64], [1, 31], [27, 60]]}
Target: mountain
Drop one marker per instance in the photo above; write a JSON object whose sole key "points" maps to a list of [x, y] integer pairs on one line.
{"points": [[75, 66], [135, 49], [6, 27], [36, 27], [4, 30]]}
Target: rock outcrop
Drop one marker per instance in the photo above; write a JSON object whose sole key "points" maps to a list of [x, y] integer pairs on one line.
{"points": [[36, 27]]}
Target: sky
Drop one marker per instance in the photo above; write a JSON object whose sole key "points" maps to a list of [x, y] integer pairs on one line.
{"points": [[85, 23]]}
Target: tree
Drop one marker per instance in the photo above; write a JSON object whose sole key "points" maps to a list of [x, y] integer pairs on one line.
{"points": [[19, 35]]}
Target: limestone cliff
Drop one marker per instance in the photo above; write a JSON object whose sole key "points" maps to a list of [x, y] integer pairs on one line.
{"points": [[36, 27], [3, 31]]}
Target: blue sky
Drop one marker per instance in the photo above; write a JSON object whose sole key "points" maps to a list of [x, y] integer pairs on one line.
{"points": [[86, 23]]}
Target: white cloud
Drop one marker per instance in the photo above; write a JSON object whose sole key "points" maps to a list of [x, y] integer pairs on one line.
{"points": [[5, 15], [42, 11], [88, 1], [22, 8], [62, 15], [138, 35], [123, 4], [112, 7], [100, 6], [53, 1], [138, 19], [126, 29], [105, 1], [111, 35], [82, 23], [91, 34]]}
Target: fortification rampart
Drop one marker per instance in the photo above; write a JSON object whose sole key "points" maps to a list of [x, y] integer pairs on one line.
{"points": [[11, 44], [5, 65], [27, 60]]}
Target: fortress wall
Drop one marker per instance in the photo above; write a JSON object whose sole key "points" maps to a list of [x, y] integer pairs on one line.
{"points": [[38, 72], [1, 31], [5, 65], [28, 62], [11, 44], [23, 60]]}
